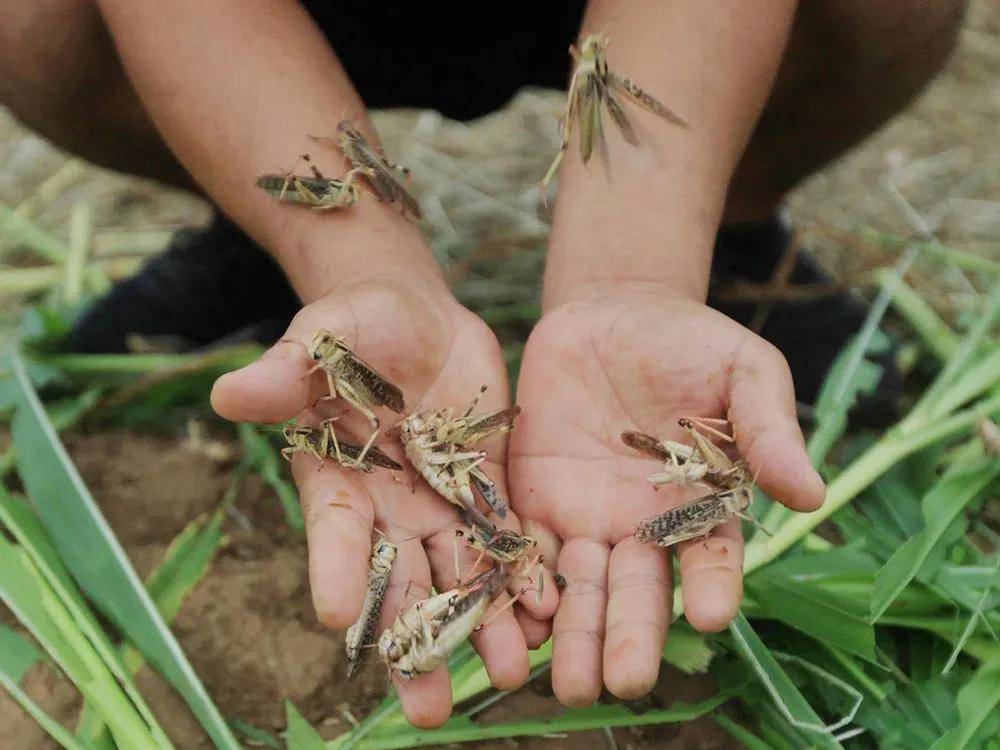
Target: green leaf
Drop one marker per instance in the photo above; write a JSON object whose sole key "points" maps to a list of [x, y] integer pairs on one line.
{"points": [[256, 735], [687, 649], [940, 507], [741, 734], [299, 734], [17, 653], [462, 729], [55, 730], [38, 608], [263, 460], [814, 610], [94, 556], [779, 686], [977, 701]]}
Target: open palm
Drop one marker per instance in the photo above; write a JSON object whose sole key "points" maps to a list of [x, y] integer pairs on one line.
{"points": [[440, 355], [636, 359]]}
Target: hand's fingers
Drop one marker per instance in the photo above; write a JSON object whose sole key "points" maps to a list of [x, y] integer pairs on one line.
{"points": [[500, 643], [762, 410], [339, 518], [537, 589], [578, 628], [426, 698], [536, 632], [548, 543], [712, 577], [274, 388], [639, 588]]}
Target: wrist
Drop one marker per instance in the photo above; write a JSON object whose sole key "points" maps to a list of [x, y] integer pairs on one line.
{"points": [[323, 252]]}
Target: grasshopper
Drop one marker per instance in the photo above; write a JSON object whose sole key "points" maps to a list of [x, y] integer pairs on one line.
{"points": [[502, 545], [380, 173], [360, 636], [319, 192], [439, 444], [423, 637], [592, 85], [696, 518], [351, 378], [322, 443], [703, 463]]}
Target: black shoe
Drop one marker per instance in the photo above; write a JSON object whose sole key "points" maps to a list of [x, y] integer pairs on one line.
{"points": [[211, 284], [811, 327]]}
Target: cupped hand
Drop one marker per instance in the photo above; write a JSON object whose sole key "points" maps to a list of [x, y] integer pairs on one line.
{"points": [[440, 355], [637, 359]]}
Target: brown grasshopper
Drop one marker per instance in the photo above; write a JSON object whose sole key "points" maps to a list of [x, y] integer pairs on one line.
{"points": [[319, 192], [322, 443], [703, 463], [502, 545], [361, 635], [439, 444], [423, 637], [380, 173], [696, 518], [353, 379], [592, 85]]}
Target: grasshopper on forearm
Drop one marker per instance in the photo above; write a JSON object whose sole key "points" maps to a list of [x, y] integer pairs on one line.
{"points": [[592, 86], [439, 445], [380, 173], [361, 635], [318, 192], [322, 443]]}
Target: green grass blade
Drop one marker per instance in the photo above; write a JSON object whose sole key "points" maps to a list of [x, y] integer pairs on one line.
{"points": [[945, 501], [299, 735], [17, 654], [462, 729], [26, 529], [262, 459], [40, 610], [687, 649], [938, 338], [977, 613], [53, 728], [256, 736], [815, 611], [779, 686], [741, 734], [95, 557], [977, 700]]}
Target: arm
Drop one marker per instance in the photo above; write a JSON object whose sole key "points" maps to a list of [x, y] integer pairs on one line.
{"points": [[236, 86], [655, 220], [627, 343]]}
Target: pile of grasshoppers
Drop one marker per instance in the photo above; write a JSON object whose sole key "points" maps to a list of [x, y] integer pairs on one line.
{"points": [[441, 447], [702, 463]]}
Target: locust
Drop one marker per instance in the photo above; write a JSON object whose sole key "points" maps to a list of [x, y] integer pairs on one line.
{"points": [[592, 86], [423, 637], [353, 379], [379, 172], [361, 635], [440, 447], [695, 519], [502, 545], [703, 463], [322, 443], [319, 192]]}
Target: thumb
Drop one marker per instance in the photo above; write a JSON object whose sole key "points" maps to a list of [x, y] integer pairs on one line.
{"points": [[273, 389], [762, 411]]}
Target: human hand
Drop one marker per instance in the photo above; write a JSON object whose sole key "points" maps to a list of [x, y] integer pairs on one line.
{"points": [[440, 355], [635, 357]]}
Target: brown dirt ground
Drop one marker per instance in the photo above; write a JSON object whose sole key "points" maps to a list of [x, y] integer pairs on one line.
{"points": [[249, 628]]}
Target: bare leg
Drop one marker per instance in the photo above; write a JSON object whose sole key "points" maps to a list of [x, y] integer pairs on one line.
{"points": [[60, 75], [849, 67]]}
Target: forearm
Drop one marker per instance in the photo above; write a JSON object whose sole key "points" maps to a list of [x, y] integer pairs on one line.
{"points": [[237, 87], [653, 217]]}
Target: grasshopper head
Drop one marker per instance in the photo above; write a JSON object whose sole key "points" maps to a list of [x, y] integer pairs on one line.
{"points": [[323, 344], [386, 550], [290, 431], [738, 500], [593, 46], [411, 427]]}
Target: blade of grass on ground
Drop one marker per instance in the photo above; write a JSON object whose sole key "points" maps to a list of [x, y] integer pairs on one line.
{"points": [[94, 556], [262, 459], [40, 610], [789, 701], [940, 506], [299, 735], [977, 702]]}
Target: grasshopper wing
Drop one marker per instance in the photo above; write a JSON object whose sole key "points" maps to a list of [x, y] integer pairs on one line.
{"points": [[640, 97], [488, 489], [382, 391], [645, 444]]}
